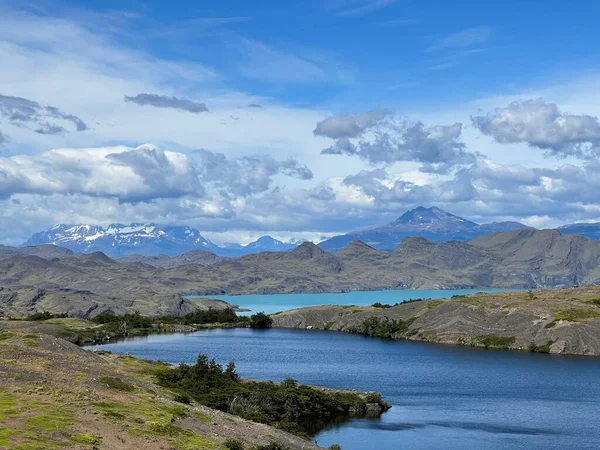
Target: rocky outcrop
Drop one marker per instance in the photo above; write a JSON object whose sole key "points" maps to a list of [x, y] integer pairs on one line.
{"points": [[565, 321]]}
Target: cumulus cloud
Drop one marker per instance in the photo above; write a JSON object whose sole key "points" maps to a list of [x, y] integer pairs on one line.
{"points": [[164, 101], [350, 126], [246, 175], [379, 139], [142, 174], [3, 139], [22, 112], [544, 126]]}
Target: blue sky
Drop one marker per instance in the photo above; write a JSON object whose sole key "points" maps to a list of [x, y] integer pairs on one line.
{"points": [[299, 119]]}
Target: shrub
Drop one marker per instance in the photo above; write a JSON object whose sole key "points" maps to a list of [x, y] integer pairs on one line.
{"points": [[382, 328], [288, 405], [182, 398], [271, 446], [381, 305], [335, 447], [493, 341], [544, 348], [260, 320], [233, 444], [45, 315], [289, 383]]}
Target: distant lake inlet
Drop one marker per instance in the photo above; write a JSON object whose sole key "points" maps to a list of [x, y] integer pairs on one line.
{"points": [[273, 303]]}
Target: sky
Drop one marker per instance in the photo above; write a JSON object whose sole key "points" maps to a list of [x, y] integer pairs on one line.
{"points": [[298, 119]]}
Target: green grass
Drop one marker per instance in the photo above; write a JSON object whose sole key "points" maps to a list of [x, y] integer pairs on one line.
{"points": [[5, 335], [493, 341], [117, 383], [51, 418], [86, 439], [6, 433], [8, 406], [202, 417], [576, 315], [434, 303]]}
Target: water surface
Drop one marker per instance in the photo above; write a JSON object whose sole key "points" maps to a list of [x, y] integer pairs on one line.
{"points": [[283, 302], [443, 396]]}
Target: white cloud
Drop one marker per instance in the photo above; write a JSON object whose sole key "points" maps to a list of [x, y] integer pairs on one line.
{"points": [[142, 174], [543, 125]]}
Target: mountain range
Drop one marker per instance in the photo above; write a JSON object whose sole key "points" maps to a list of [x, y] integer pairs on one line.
{"points": [[118, 240], [433, 224], [137, 240], [54, 279]]}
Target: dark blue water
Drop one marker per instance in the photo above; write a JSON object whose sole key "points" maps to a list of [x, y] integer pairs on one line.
{"points": [[443, 397]]}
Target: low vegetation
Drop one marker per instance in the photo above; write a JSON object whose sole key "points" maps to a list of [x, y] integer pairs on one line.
{"points": [[493, 341], [576, 314], [382, 327], [288, 405]]}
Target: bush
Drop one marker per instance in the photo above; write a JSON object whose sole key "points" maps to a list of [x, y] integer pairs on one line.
{"points": [[544, 348], [182, 398], [271, 446], [381, 305], [382, 328], [260, 320], [233, 444], [289, 406], [493, 341], [289, 383], [335, 447], [45, 315]]}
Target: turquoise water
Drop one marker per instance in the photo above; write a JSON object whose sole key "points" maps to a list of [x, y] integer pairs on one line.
{"points": [[283, 302], [443, 397]]}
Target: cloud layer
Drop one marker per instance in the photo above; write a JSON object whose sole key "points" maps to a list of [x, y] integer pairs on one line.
{"points": [[142, 174], [44, 119], [164, 101]]}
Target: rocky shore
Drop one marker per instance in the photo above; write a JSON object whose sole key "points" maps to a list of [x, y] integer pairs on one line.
{"points": [[561, 321]]}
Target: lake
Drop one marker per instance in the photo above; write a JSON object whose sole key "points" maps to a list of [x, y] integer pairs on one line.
{"points": [[282, 302], [443, 396]]}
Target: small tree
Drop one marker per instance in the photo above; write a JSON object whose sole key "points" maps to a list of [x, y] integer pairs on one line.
{"points": [[260, 320], [231, 372]]}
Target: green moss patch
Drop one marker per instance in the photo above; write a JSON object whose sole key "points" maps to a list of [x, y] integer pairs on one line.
{"points": [[493, 341], [86, 439]]}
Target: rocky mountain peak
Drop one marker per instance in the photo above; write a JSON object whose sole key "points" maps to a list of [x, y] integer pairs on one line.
{"points": [[432, 218]]}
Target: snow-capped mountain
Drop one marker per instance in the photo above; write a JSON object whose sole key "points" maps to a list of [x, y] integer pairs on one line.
{"points": [[120, 240], [267, 244], [147, 239]]}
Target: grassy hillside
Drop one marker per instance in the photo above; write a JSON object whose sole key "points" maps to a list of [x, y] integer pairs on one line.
{"points": [[54, 395]]}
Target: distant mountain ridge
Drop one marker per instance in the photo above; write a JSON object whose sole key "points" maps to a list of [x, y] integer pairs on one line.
{"points": [[145, 239], [152, 240], [56, 280], [433, 223]]}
